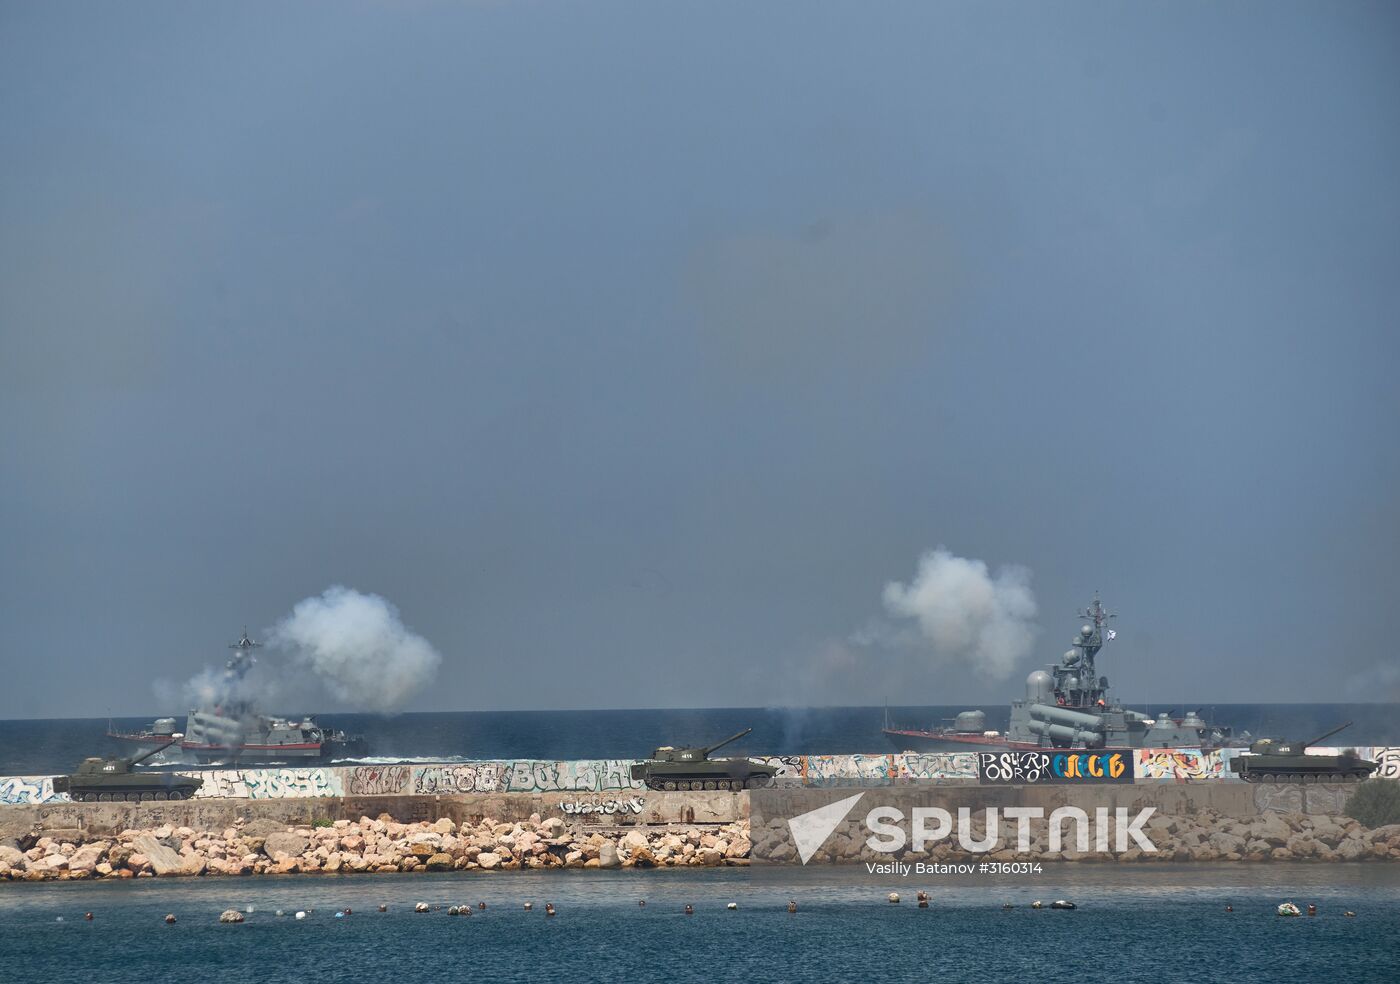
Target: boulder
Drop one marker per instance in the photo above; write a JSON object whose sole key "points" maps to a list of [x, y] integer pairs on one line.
{"points": [[444, 826], [87, 857], [163, 860], [285, 843], [439, 862], [488, 860], [607, 855]]}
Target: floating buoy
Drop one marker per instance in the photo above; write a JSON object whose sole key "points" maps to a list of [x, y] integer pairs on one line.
{"points": [[1037, 904], [87, 916], [169, 917], [382, 908], [922, 898], [529, 906], [451, 910], [301, 915], [894, 897], [1312, 909], [340, 915], [641, 903], [549, 908], [347, 910], [792, 907], [280, 912], [1229, 908], [1288, 909], [421, 907], [689, 909], [1349, 914], [248, 909], [1061, 904], [60, 919], [481, 905], [1007, 905], [732, 905]]}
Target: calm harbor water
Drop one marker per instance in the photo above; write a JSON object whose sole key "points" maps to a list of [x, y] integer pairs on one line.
{"points": [[40, 747], [1166, 923]]}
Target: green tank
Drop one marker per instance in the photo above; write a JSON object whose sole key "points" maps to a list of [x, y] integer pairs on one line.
{"points": [[1289, 761], [100, 780], [692, 768]]}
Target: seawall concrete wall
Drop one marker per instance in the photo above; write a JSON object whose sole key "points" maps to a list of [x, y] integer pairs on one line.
{"points": [[614, 775], [649, 808]]}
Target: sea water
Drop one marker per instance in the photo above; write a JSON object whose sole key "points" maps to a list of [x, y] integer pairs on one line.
{"points": [[1166, 923]]}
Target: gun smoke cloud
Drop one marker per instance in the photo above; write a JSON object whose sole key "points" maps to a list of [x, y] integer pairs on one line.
{"points": [[958, 609], [359, 647]]}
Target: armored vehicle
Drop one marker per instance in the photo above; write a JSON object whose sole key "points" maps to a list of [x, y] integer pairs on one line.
{"points": [[1289, 761], [106, 780], [692, 768]]}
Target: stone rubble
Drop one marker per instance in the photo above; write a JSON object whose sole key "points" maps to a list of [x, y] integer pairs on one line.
{"points": [[368, 845], [385, 845]]}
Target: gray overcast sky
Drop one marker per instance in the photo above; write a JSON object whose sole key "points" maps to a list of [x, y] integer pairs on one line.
{"points": [[631, 349]]}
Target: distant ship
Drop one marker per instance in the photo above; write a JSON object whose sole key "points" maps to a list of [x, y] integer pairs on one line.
{"points": [[1069, 707], [233, 731]]}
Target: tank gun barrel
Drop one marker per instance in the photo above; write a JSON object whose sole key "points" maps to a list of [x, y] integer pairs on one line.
{"points": [[151, 751], [726, 741], [1320, 738]]}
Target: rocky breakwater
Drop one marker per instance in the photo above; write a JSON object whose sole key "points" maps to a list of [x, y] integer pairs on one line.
{"points": [[263, 846], [1202, 836]]}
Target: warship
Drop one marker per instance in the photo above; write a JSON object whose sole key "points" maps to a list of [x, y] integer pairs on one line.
{"points": [[1070, 706], [230, 729]]}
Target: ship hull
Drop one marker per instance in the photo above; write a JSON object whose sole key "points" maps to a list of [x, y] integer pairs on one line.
{"points": [[311, 751], [934, 741]]}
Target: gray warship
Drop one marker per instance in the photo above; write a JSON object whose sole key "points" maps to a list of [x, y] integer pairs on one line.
{"points": [[1070, 706], [232, 730]]}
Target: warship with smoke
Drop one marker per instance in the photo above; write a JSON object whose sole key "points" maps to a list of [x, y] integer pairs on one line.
{"points": [[1070, 706], [229, 728]]}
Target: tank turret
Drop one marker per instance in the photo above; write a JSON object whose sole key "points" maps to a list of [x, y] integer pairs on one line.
{"points": [[1289, 761], [115, 779], [672, 768]]}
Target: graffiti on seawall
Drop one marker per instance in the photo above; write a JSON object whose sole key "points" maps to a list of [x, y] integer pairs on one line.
{"points": [[525, 776], [1184, 764], [836, 770], [1056, 766], [29, 789], [269, 783], [377, 780], [605, 807], [1388, 758]]}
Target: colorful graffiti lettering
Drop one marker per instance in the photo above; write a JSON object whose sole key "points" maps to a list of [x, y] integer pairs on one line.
{"points": [[1055, 766], [1182, 764]]}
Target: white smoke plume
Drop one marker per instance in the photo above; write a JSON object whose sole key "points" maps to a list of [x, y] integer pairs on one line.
{"points": [[962, 613], [359, 648]]}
